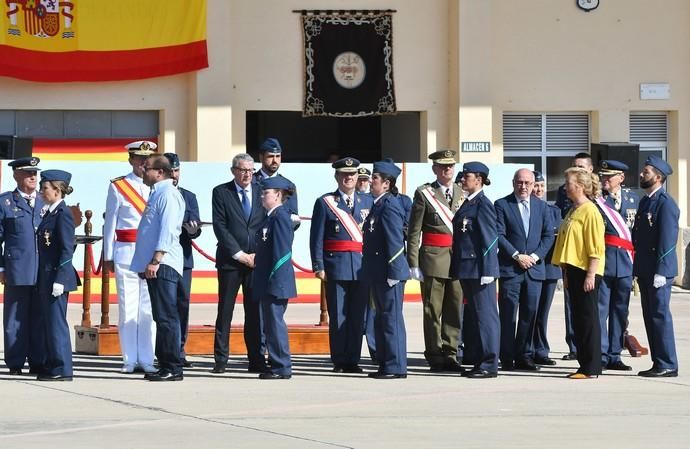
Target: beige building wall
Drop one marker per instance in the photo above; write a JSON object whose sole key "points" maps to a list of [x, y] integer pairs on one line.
{"points": [[461, 63]]}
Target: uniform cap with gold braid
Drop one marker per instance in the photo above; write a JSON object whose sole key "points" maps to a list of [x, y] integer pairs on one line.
{"points": [[611, 167], [142, 148], [443, 157], [346, 165], [363, 173]]}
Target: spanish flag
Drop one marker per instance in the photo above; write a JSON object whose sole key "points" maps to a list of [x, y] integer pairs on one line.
{"points": [[99, 40]]}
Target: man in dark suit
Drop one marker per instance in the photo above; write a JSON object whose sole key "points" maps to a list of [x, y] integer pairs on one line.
{"points": [[190, 231], [525, 237], [237, 216], [655, 235]]}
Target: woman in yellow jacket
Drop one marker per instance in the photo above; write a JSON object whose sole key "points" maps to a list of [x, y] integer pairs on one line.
{"points": [[580, 250]]}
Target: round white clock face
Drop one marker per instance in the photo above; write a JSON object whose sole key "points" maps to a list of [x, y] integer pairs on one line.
{"points": [[588, 5]]}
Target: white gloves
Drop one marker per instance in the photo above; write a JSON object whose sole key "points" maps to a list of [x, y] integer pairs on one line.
{"points": [[392, 282], [416, 273], [486, 280], [659, 281], [58, 289], [192, 227]]}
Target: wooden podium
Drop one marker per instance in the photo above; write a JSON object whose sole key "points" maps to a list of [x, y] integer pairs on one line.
{"points": [[103, 339]]}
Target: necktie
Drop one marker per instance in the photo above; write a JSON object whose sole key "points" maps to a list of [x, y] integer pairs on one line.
{"points": [[246, 207], [30, 201], [349, 202], [525, 216], [616, 200], [449, 196]]}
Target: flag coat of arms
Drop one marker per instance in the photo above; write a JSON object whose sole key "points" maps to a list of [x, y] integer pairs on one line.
{"points": [[101, 40]]}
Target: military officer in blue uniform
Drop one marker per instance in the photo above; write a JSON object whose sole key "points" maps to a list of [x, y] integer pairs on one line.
{"points": [[20, 214], [655, 234], [336, 254], [618, 207], [385, 270], [548, 286], [363, 180], [190, 230], [582, 160], [475, 264], [271, 155], [56, 275], [273, 281]]}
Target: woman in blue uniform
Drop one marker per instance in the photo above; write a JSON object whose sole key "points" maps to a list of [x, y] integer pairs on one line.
{"points": [[273, 281], [385, 270], [475, 264], [56, 274]]}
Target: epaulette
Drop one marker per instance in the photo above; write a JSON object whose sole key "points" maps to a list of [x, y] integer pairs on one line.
{"points": [[117, 179]]}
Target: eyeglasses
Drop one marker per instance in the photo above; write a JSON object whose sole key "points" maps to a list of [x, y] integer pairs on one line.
{"points": [[244, 171]]}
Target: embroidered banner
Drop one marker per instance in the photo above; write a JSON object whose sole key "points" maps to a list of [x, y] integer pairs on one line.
{"points": [[348, 64], [92, 40]]}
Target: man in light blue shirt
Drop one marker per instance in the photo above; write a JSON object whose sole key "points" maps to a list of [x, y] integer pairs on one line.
{"points": [[158, 258]]}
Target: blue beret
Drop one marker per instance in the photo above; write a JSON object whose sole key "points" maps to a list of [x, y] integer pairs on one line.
{"points": [[659, 164], [174, 160], [25, 163], [611, 167], [56, 175], [538, 177], [275, 182], [477, 167], [387, 167], [346, 165], [363, 172], [271, 145]]}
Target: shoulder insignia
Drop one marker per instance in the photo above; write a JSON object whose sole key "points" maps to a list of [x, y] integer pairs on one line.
{"points": [[117, 179]]}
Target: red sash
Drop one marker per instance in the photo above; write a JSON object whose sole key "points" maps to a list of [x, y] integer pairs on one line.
{"points": [[342, 246], [433, 239], [614, 240], [130, 194], [126, 235]]}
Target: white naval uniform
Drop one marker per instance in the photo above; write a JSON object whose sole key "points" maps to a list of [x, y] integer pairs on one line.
{"points": [[137, 330]]}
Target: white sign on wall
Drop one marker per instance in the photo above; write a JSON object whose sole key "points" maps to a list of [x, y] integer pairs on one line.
{"points": [[655, 91]]}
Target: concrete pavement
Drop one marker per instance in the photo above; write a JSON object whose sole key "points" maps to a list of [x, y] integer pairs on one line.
{"points": [[319, 409]]}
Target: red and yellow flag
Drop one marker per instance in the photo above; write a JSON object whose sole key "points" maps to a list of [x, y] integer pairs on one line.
{"points": [[101, 40]]}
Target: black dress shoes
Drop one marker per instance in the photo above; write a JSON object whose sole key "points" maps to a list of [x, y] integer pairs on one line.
{"points": [[618, 365], [657, 372], [544, 361], [570, 356], [526, 365], [15, 372], [218, 369], [272, 376], [381, 375], [452, 366], [352, 369], [256, 369], [480, 374], [55, 378], [187, 364], [165, 376]]}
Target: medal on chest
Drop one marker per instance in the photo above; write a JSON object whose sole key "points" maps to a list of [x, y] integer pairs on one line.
{"points": [[465, 221], [46, 236], [649, 219], [264, 231], [371, 224]]}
